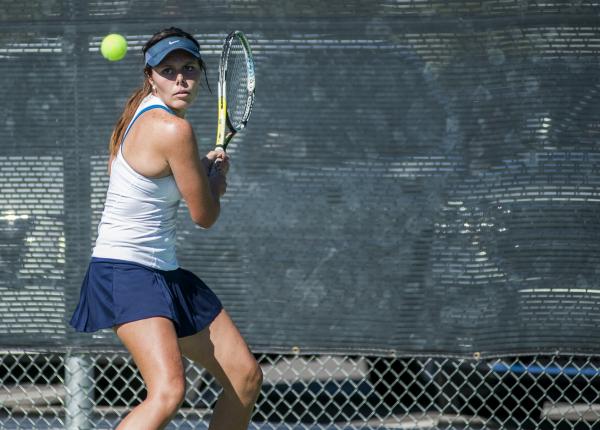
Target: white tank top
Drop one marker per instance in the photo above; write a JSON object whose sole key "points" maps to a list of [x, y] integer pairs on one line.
{"points": [[140, 213]]}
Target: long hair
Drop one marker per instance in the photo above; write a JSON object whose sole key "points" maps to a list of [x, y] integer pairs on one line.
{"points": [[138, 95]]}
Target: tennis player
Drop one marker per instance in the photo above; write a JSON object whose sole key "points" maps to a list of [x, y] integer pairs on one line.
{"points": [[133, 283]]}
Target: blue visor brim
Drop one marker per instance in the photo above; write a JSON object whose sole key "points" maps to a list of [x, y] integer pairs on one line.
{"points": [[160, 50]]}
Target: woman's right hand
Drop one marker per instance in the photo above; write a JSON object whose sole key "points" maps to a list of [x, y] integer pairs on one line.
{"points": [[218, 171], [212, 156]]}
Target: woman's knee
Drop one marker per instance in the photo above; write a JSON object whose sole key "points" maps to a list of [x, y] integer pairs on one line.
{"points": [[250, 379], [168, 395], [255, 376]]}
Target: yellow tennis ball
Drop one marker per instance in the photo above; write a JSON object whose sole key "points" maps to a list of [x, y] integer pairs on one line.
{"points": [[113, 47]]}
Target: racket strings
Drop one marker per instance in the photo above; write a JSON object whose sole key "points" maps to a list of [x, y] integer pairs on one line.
{"points": [[237, 84]]}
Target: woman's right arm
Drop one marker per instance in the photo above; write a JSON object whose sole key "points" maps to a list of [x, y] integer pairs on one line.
{"points": [[202, 193]]}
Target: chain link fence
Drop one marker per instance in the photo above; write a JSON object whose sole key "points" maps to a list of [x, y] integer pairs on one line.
{"points": [[46, 390]]}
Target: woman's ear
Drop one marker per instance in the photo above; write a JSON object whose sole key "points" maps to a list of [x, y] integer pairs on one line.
{"points": [[151, 82]]}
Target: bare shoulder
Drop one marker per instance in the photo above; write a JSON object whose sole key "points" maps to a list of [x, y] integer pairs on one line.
{"points": [[169, 137], [167, 129]]}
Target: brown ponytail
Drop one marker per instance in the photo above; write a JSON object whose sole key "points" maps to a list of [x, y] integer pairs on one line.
{"points": [[136, 98], [130, 107]]}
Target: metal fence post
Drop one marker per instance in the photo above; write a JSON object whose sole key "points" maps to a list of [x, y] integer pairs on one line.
{"points": [[79, 391]]}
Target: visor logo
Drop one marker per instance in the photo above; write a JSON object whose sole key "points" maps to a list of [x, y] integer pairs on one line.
{"points": [[175, 41]]}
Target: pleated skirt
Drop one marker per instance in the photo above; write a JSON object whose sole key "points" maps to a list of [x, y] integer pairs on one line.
{"points": [[116, 292]]}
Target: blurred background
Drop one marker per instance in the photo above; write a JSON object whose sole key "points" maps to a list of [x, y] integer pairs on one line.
{"points": [[411, 229]]}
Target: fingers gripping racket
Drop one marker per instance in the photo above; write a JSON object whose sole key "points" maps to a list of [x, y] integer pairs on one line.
{"points": [[236, 89]]}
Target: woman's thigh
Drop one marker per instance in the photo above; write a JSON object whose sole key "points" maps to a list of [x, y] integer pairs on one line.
{"points": [[221, 350], [153, 345]]}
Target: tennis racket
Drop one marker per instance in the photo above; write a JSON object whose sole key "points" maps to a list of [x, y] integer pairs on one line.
{"points": [[236, 89]]}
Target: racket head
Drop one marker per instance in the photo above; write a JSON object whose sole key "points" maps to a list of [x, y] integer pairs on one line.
{"points": [[236, 87]]}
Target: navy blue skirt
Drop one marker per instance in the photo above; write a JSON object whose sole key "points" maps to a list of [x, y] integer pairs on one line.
{"points": [[117, 291]]}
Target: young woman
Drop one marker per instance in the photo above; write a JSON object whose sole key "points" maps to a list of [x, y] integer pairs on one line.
{"points": [[134, 283]]}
